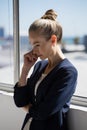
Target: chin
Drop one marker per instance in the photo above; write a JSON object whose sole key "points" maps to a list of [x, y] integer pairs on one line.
{"points": [[42, 58]]}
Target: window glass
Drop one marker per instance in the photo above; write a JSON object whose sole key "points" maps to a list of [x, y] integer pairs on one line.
{"points": [[73, 18], [6, 42]]}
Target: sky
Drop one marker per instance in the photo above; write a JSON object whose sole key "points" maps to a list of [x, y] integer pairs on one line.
{"points": [[72, 15]]}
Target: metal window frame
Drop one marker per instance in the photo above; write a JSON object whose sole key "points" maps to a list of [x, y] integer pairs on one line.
{"points": [[16, 40], [79, 100]]}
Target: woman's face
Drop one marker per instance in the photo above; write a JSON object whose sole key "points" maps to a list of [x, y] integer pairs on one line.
{"points": [[41, 47]]}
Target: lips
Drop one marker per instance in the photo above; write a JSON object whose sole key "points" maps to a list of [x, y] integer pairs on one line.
{"points": [[40, 55]]}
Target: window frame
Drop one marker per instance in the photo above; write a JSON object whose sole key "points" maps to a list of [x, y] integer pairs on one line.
{"points": [[16, 40], [79, 100]]}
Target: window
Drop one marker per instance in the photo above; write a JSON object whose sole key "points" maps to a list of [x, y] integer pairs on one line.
{"points": [[6, 42], [9, 44]]}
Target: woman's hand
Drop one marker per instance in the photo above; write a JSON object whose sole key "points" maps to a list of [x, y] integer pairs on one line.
{"points": [[27, 107], [29, 60]]}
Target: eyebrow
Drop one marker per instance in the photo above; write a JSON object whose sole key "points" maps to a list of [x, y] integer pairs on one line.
{"points": [[34, 42]]}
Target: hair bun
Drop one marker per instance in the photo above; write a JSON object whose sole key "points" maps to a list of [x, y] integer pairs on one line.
{"points": [[50, 14]]}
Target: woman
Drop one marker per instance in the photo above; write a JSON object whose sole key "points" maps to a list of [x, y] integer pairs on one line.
{"points": [[46, 94]]}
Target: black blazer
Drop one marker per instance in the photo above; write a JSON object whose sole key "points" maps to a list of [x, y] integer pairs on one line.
{"points": [[52, 101]]}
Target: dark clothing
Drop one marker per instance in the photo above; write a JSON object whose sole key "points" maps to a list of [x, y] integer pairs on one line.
{"points": [[51, 103]]}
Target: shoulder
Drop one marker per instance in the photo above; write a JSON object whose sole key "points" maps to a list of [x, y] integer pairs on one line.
{"points": [[67, 65], [65, 68]]}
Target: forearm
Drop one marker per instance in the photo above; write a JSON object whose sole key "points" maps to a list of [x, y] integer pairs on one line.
{"points": [[23, 77]]}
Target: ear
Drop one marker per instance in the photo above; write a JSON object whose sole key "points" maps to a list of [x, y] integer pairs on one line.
{"points": [[53, 39]]}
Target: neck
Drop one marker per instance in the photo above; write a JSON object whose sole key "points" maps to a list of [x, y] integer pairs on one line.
{"points": [[56, 57]]}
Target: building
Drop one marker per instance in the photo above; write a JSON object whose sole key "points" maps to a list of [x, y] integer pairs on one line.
{"points": [[1, 32]]}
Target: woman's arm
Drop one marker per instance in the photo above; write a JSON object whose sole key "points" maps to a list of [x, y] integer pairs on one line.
{"points": [[21, 89], [29, 61]]}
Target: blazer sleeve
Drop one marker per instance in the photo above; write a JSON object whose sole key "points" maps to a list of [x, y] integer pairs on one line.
{"points": [[59, 94], [22, 95]]}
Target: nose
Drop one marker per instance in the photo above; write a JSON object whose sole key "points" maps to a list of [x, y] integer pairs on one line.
{"points": [[35, 51]]}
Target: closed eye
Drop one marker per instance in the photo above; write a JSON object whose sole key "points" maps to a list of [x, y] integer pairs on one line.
{"points": [[36, 45]]}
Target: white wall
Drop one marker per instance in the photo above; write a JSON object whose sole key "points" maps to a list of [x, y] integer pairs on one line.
{"points": [[11, 117], [77, 119]]}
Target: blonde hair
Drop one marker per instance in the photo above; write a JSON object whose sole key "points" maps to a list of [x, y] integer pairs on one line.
{"points": [[47, 26]]}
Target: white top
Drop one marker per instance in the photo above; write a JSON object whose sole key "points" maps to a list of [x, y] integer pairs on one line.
{"points": [[27, 126], [38, 82]]}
